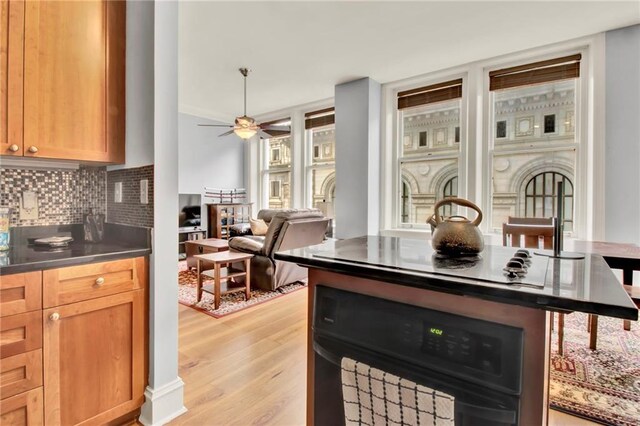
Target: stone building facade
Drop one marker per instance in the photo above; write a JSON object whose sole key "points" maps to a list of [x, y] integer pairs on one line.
{"points": [[533, 146]]}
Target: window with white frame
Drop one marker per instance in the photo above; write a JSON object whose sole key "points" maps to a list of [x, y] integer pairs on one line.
{"points": [[276, 167], [321, 167], [530, 120], [429, 126], [533, 153]]}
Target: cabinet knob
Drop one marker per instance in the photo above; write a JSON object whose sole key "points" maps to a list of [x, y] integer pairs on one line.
{"points": [[54, 316], [33, 149], [14, 148], [99, 281]]}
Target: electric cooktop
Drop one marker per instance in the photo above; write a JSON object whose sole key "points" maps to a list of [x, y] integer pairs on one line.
{"points": [[496, 264]]}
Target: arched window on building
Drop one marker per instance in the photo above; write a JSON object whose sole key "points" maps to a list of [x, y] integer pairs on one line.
{"points": [[541, 197], [449, 190], [406, 201]]}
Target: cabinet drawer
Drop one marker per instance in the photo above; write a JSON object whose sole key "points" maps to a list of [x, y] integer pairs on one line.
{"points": [[25, 409], [20, 333], [77, 283], [20, 373], [20, 293]]}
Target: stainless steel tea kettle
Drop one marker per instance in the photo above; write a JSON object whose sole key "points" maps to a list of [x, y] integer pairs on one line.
{"points": [[456, 235]]}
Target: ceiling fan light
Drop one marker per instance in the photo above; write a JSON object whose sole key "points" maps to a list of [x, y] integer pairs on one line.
{"points": [[245, 132]]}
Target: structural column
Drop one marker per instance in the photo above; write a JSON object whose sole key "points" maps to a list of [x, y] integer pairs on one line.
{"points": [[164, 394], [357, 112]]}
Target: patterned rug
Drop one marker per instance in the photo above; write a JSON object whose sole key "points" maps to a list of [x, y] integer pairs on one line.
{"points": [[601, 385], [230, 303]]}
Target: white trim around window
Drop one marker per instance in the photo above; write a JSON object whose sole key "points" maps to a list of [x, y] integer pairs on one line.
{"points": [[476, 128]]}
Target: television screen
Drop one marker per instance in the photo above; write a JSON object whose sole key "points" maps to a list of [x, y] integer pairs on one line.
{"points": [[189, 210]]}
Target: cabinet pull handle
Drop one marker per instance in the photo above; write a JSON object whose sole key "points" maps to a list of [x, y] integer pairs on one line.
{"points": [[99, 281], [14, 148], [54, 316], [33, 149]]}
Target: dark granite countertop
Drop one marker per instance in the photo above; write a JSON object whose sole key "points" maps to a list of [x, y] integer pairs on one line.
{"points": [[585, 285], [120, 242]]}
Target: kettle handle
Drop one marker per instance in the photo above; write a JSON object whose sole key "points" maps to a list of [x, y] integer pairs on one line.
{"points": [[461, 202]]}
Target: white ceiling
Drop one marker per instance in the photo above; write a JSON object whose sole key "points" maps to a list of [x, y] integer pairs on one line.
{"points": [[298, 51]]}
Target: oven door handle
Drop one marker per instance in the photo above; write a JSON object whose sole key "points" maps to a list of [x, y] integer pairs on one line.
{"points": [[324, 353], [494, 415]]}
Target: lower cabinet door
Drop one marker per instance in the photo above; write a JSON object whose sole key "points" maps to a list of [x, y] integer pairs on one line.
{"points": [[24, 409], [94, 359]]}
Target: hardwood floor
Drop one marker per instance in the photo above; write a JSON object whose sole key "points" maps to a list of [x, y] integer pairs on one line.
{"points": [[249, 368]]}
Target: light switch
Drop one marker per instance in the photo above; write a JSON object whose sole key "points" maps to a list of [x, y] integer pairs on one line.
{"points": [[29, 205], [118, 192], [144, 191]]}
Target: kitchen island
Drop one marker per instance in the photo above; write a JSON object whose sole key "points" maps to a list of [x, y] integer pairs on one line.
{"points": [[480, 334]]}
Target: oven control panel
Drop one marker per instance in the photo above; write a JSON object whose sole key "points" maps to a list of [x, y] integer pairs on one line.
{"points": [[483, 352], [473, 350]]}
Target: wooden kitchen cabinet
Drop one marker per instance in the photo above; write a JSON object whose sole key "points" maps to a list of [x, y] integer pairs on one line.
{"points": [[24, 409], [94, 359], [71, 80], [83, 359], [11, 77]]}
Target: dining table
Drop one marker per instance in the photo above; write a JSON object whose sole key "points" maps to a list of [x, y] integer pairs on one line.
{"points": [[623, 256]]}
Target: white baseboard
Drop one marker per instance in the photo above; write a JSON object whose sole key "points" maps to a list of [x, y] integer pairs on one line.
{"points": [[163, 404]]}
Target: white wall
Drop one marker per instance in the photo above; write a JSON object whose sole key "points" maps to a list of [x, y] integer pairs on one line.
{"points": [[139, 85], [622, 143], [207, 160]]}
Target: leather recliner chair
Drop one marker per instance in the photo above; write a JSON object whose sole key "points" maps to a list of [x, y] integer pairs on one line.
{"points": [[288, 229]]}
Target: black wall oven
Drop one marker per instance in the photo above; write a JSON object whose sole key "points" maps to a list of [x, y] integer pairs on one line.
{"points": [[475, 362]]}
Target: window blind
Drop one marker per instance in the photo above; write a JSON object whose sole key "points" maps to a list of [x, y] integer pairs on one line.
{"points": [[281, 122], [322, 117], [430, 94], [535, 73]]}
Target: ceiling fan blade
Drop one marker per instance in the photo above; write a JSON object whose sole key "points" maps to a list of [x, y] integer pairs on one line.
{"points": [[226, 133], [215, 125], [264, 135], [277, 128]]}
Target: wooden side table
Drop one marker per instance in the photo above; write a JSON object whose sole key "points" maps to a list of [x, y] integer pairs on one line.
{"points": [[204, 246], [222, 274]]}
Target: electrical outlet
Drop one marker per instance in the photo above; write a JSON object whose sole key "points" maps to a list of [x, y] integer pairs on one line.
{"points": [[117, 196], [144, 191], [29, 206]]}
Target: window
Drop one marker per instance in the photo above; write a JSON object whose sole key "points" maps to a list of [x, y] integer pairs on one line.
{"points": [[433, 109], [450, 190], [501, 129], [423, 139], [406, 201], [527, 163], [275, 189], [321, 170], [457, 135], [276, 167], [550, 123], [541, 197], [275, 155]]}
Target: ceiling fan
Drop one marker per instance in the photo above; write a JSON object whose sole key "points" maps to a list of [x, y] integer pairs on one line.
{"points": [[246, 127]]}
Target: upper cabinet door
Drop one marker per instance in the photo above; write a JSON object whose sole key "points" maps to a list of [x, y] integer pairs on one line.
{"points": [[74, 73], [11, 60]]}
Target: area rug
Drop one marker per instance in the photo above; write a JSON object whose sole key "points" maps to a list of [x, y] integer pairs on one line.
{"points": [[602, 385], [230, 303]]}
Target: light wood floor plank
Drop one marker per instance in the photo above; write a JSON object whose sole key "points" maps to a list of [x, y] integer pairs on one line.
{"points": [[249, 368]]}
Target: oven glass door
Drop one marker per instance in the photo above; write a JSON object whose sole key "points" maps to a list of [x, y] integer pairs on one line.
{"points": [[474, 404]]}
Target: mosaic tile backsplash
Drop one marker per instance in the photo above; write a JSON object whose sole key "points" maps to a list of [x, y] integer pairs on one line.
{"points": [[63, 195], [130, 211]]}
